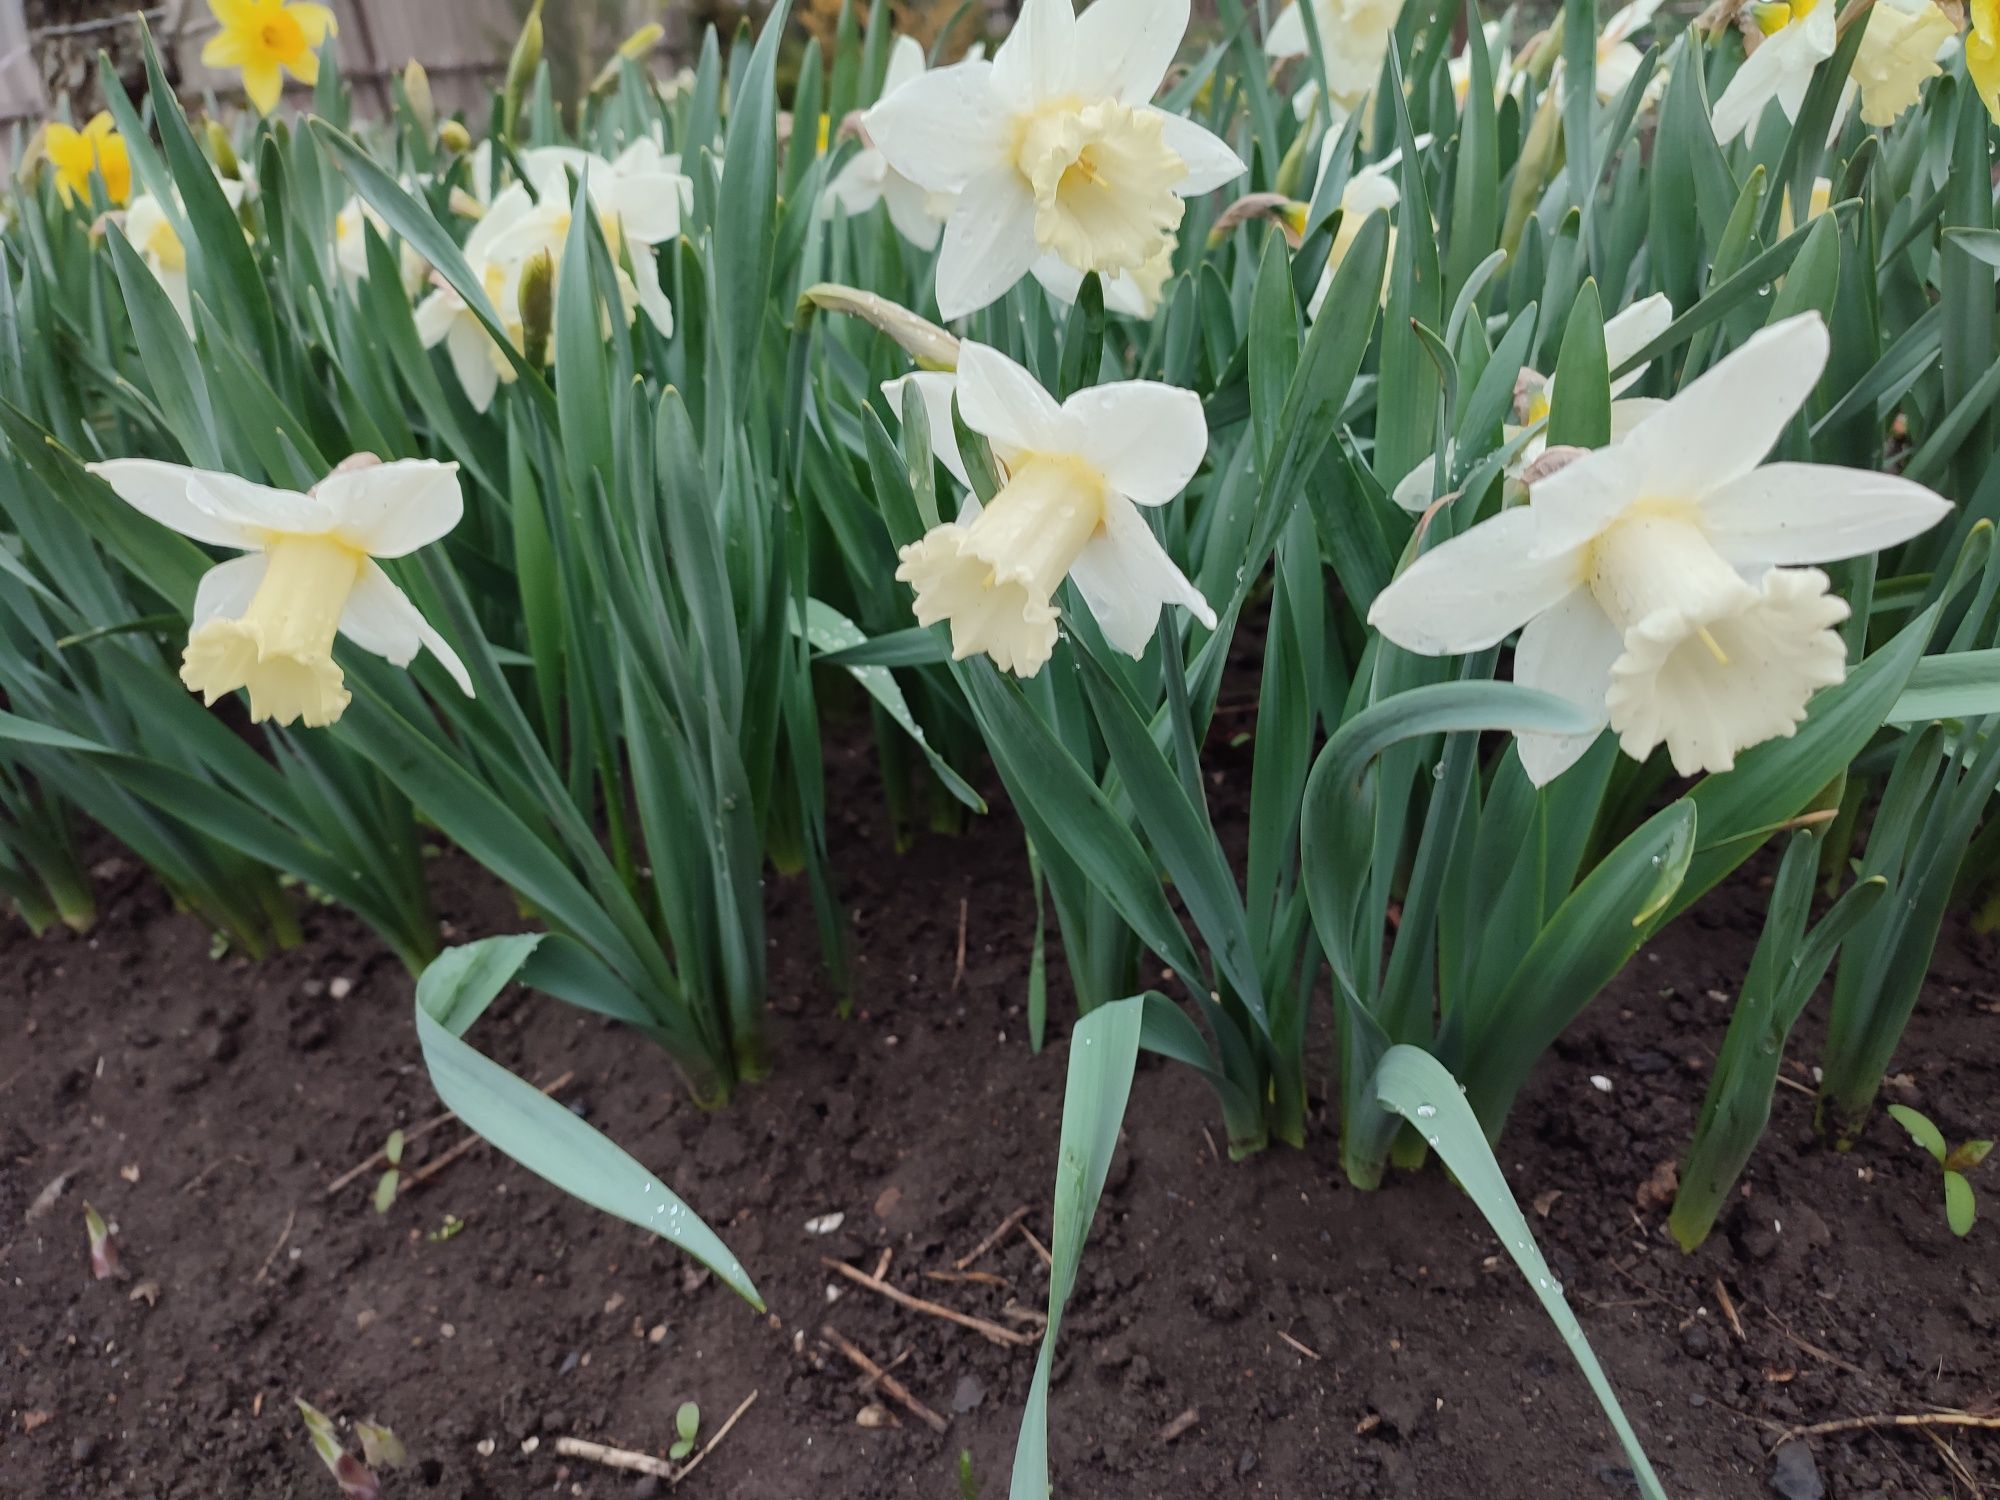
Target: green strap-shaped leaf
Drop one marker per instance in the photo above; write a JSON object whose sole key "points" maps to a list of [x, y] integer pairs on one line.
{"points": [[1103, 1050], [1415, 1085], [831, 633], [534, 1129]]}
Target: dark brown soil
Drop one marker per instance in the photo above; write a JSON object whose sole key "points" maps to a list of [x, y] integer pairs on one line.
{"points": [[1300, 1338]]}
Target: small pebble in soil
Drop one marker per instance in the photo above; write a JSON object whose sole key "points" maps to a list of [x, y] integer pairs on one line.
{"points": [[1795, 1475], [970, 1393], [340, 988], [1246, 1461], [1599, 1082], [83, 1452]]}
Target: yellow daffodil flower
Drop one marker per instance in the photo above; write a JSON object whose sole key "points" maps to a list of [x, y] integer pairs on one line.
{"points": [[76, 153], [267, 39]]}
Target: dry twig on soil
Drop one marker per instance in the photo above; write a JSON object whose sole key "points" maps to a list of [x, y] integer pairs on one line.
{"points": [[994, 1238], [979, 1326], [877, 1375]]}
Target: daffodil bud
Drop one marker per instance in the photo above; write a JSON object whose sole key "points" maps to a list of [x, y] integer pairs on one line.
{"points": [[1541, 152], [222, 151], [454, 137], [522, 66], [417, 94], [1289, 217], [929, 345], [633, 49], [538, 306], [465, 205]]}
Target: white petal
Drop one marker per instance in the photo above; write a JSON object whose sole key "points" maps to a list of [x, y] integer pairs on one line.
{"points": [[1145, 438], [647, 206], [1474, 590], [652, 299], [1721, 425], [1039, 58], [1210, 161], [1566, 650], [857, 187], [936, 388], [1124, 47], [910, 211], [389, 509], [1287, 36], [944, 129], [1756, 84], [471, 350], [1004, 403], [1784, 514], [435, 315], [906, 62], [226, 589], [1632, 330], [989, 242], [1580, 499], [219, 509], [1126, 577], [379, 617]]}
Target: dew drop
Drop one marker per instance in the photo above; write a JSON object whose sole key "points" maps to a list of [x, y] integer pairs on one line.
{"points": [[1426, 1111]]}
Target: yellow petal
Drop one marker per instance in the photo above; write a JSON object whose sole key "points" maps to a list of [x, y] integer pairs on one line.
{"points": [[234, 15], [224, 50], [305, 67], [316, 21], [265, 85]]}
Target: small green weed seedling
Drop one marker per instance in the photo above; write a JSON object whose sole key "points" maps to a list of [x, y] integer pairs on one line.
{"points": [[1959, 1208]]}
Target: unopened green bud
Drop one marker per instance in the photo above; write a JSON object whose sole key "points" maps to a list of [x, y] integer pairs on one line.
{"points": [[538, 306], [417, 93], [454, 137], [522, 66], [222, 151]]}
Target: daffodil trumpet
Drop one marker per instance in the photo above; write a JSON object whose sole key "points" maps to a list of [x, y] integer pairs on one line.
{"points": [[266, 621], [1074, 477]]}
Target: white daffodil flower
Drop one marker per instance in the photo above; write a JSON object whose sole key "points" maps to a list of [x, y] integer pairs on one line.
{"points": [[1901, 50], [152, 234], [266, 621], [1354, 40], [1797, 38], [1074, 477], [1370, 190], [444, 318], [918, 214], [1656, 582], [350, 246], [639, 197], [1618, 58], [1053, 147]]}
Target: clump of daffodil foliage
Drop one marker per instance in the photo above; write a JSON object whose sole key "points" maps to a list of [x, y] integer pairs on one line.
{"points": [[1572, 451]]}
